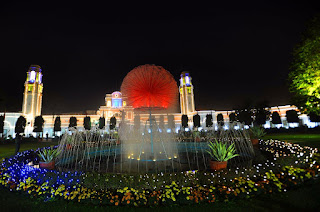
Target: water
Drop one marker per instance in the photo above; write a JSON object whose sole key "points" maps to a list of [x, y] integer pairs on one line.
{"points": [[148, 149]]}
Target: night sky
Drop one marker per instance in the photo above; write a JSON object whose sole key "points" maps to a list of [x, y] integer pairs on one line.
{"points": [[233, 51]]}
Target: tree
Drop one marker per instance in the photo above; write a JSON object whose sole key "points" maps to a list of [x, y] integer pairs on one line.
{"points": [[275, 118], [38, 124], [220, 119], [102, 122], [292, 116], [73, 122], [244, 116], [232, 117], [87, 123], [20, 125], [262, 113], [184, 121], [209, 122], [113, 123], [304, 76], [314, 117], [57, 124], [196, 120], [1, 124]]}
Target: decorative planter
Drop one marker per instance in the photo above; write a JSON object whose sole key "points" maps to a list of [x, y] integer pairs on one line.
{"points": [[118, 141], [198, 139], [254, 141], [47, 165], [69, 146], [218, 165]]}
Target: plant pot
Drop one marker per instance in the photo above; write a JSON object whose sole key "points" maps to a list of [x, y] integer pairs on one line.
{"points": [[69, 146], [254, 141], [118, 141], [218, 165], [198, 139], [47, 165]]}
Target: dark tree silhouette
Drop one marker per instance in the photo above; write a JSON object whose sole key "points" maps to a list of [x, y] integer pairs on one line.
{"points": [[38, 124], [87, 123], [292, 116], [57, 124], [184, 121], [244, 116], [73, 121], [262, 113], [209, 122], [275, 118], [20, 125], [314, 117], [196, 120], [232, 117], [113, 123], [220, 119], [102, 122], [1, 124]]}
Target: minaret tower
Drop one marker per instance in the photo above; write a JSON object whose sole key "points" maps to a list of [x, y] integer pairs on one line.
{"points": [[32, 97], [186, 94]]}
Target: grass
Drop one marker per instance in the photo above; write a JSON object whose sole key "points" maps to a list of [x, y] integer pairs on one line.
{"points": [[7, 150], [302, 199], [312, 140]]}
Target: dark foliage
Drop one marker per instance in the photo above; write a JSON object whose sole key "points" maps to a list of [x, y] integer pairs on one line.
{"points": [[113, 123], [38, 124], [232, 117], [292, 116], [102, 122], [275, 118], [184, 121], [20, 125], [73, 121], [1, 123], [57, 124], [209, 122], [87, 123], [196, 120], [220, 119]]}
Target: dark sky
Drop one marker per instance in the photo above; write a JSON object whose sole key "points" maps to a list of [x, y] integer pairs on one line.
{"points": [[233, 51]]}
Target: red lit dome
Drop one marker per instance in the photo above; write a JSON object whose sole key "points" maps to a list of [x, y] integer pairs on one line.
{"points": [[150, 86]]}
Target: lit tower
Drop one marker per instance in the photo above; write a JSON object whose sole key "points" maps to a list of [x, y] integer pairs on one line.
{"points": [[186, 94], [32, 97]]}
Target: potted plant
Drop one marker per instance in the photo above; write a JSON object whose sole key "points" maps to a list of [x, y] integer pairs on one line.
{"points": [[47, 158], [256, 133], [220, 154]]}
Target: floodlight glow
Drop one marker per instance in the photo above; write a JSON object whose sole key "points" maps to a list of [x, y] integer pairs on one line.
{"points": [[32, 77]]}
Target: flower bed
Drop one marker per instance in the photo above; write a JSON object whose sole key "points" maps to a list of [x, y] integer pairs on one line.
{"points": [[291, 166]]}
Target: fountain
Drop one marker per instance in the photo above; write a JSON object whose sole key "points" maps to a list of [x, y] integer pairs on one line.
{"points": [[146, 146]]}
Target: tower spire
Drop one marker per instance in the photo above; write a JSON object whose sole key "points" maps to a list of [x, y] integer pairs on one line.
{"points": [[32, 97], [186, 94]]}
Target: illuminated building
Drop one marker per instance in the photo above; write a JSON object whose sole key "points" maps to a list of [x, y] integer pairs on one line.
{"points": [[116, 105], [186, 94]]}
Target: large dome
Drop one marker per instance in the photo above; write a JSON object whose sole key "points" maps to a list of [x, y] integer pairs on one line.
{"points": [[150, 86]]}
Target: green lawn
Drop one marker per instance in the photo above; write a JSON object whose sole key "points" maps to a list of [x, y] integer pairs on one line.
{"points": [[302, 199], [312, 140], [7, 150]]}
